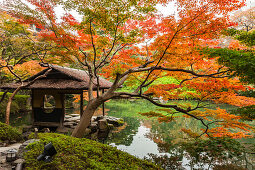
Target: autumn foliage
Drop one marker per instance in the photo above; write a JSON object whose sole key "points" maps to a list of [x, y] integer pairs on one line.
{"points": [[128, 41]]}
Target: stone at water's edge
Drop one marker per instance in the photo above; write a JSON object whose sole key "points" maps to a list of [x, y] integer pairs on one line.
{"points": [[67, 116], [74, 115], [102, 125]]}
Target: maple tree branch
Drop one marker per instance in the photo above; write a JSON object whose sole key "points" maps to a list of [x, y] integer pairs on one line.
{"points": [[178, 109], [113, 43], [94, 62], [137, 69], [167, 47], [13, 73]]}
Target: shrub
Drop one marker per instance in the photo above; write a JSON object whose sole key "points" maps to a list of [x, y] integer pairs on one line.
{"points": [[19, 103], [77, 153], [247, 113], [8, 133]]}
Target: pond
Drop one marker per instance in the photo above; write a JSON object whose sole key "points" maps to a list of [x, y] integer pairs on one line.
{"points": [[143, 136]]}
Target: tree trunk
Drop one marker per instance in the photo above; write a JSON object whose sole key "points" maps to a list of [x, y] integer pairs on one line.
{"points": [[8, 107], [80, 129]]}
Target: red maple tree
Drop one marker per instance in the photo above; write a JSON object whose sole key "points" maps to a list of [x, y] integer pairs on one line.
{"points": [[128, 40]]}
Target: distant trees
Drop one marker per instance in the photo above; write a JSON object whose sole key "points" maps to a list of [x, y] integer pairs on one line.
{"points": [[245, 19], [240, 58]]}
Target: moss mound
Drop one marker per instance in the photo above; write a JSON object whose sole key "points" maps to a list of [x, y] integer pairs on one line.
{"points": [[76, 153], [8, 133]]}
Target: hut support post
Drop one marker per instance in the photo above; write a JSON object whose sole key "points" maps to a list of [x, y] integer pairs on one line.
{"points": [[63, 110], [103, 104], [81, 103], [32, 103]]}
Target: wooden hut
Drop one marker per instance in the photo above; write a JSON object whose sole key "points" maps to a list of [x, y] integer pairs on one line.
{"points": [[58, 82]]}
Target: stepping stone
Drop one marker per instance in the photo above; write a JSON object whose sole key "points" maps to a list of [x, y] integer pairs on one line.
{"points": [[73, 115], [67, 116]]}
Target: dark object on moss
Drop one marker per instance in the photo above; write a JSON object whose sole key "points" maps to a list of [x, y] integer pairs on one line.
{"points": [[8, 133], [47, 154], [76, 153]]}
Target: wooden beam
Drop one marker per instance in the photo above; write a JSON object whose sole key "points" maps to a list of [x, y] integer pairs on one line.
{"points": [[81, 103], [47, 124], [32, 103]]}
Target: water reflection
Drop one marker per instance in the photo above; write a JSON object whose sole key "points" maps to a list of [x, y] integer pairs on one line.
{"points": [[140, 145], [143, 136]]}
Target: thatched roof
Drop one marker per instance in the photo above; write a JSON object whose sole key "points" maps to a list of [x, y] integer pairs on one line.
{"points": [[61, 78]]}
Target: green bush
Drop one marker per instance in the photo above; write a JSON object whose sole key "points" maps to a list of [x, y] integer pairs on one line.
{"points": [[8, 133], [19, 103], [248, 93], [247, 112], [77, 153]]}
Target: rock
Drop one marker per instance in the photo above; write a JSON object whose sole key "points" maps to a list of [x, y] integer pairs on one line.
{"points": [[72, 127], [74, 118], [27, 129], [115, 121], [87, 131], [64, 130], [93, 118], [68, 124], [26, 135], [99, 118], [93, 127], [102, 135], [110, 126], [2, 159], [67, 116], [102, 125], [74, 115], [23, 149], [19, 161], [46, 130], [13, 146], [19, 166]]}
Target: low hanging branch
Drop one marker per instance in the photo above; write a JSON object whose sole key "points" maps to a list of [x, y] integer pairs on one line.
{"points": [[178, 109], [8, 107]]}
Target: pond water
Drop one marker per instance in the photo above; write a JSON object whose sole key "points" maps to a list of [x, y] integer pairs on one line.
{"points": [[142, 136]]}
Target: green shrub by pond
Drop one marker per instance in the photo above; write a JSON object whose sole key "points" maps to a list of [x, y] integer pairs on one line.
{"points": [[76, 153], [247, 112], [8, 133], [19, 103]]}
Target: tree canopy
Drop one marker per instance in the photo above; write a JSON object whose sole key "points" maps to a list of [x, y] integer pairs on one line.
{"points": [[128, 41]]}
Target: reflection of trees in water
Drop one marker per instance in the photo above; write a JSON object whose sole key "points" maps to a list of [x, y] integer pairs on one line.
{"points": [[166, 135], [125, 137]]}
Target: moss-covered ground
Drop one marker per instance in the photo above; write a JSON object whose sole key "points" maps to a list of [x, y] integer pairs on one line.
{"points": [[8, 133], [76, 153]]}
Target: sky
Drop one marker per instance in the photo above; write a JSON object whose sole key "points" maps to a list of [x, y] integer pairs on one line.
{"points": [[170, 8]]}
